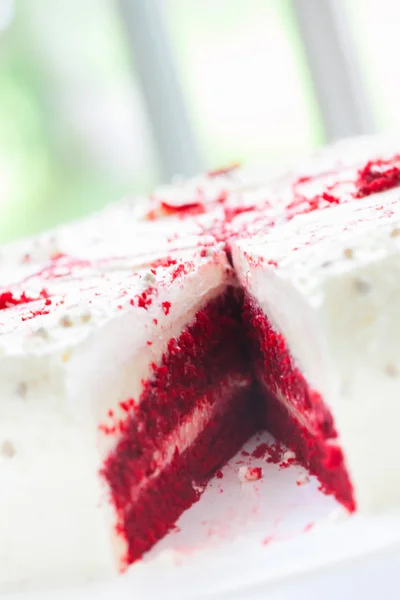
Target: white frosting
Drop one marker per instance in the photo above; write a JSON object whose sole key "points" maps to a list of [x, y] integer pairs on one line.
{"points": [[330, 282]]}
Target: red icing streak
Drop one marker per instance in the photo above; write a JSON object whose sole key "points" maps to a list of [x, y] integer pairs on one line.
{"points": [[60, 266], [34, 313], [192, 206], [166, 307], [8, 299], [224, 170], [230, 212], [376, 176]]}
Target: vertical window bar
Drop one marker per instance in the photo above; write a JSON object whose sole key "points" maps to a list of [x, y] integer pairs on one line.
{"points": [[152, 54], [334, 68]]}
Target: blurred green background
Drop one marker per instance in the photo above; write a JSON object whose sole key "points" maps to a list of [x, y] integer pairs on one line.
{"points": [[74, 131]]}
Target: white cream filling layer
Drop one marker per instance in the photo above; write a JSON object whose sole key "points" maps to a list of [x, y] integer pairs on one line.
{"points": [[186, 434]]}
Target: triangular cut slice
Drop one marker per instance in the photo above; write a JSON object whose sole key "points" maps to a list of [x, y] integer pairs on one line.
{"points": [[323, 320]]}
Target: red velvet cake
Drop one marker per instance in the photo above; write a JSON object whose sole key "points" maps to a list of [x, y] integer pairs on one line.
{"points": [[142, 347]]}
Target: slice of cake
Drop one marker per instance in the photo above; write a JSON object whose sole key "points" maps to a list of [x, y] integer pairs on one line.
{"points": [[123, 390], [322, 318]]}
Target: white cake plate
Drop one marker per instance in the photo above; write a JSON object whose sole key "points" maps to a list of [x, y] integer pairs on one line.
{"points": [[278, 537]]}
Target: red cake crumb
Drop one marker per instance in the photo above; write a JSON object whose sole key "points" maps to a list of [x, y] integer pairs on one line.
{"points": [[287, 463], [144, 299], [275, 451], [255, 262], [166, 307], [378, 176], [272, 452], [266, 541], [163, 262], [180, 270], [127, 405], [260, 451], [250, 473], [302, 479], [219, 474]]}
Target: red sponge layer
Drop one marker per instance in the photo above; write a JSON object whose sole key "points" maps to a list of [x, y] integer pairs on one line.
{"points": [[163, 501], [314, 439], [206, 367]]}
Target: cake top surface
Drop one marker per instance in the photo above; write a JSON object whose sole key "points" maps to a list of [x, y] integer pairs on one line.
{"points": [[49, 298], [70, 280]]}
